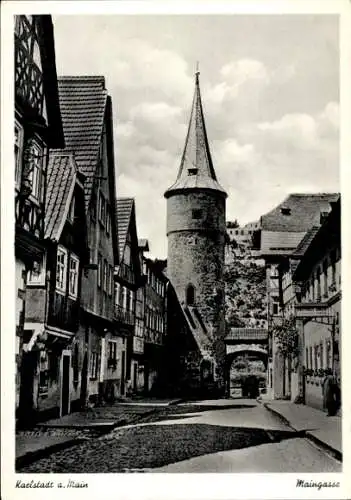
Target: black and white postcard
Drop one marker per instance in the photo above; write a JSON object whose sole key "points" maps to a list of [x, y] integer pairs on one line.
{"points": [[174, 259]]}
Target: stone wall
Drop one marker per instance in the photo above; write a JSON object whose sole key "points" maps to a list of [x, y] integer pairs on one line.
{"points": [[196, 252], [196, 239]]}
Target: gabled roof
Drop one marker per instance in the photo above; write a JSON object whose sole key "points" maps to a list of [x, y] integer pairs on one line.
{"points": [[60, 182], [305, 242], [305, 211], [83, 103], [124, 215], [328, 234], [284, 227], [196, 168], [251, 334]]}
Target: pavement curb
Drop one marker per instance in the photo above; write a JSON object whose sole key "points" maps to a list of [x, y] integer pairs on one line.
{"points": [[307, 434], [330, 449], [33, 456], [277, 414]]}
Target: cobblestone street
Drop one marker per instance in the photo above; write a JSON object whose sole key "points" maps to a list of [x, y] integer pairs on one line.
{"points": [[214, 436]]}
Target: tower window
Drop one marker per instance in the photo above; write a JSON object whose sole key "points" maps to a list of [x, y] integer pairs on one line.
{"points": [[197, 213], [285, 210], [190, 295], [192, 171]]}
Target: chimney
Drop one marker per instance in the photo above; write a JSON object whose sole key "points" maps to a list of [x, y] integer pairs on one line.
{"points": [[323, 216]]}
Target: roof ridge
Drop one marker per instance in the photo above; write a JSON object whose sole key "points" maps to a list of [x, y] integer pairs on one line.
{"points": [[125, 198], [81, 77], [331, 193]]}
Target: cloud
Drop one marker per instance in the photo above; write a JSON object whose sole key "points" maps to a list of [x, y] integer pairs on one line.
{"points": [[243, 70], [235, 75], [270, 108]]}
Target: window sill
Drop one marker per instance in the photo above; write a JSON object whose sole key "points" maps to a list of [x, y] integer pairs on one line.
{"points": [[72, 297], [60, 292], [39, 284]]}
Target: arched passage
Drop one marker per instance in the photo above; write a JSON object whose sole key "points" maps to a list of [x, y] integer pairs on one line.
{"points": [[250, 361]]}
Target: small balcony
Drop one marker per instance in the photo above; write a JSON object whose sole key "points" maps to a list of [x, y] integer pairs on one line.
{"points": [[124, 316], [126, 274]]}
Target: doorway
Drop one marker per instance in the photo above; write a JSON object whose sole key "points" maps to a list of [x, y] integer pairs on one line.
{"points": [[135, 375], [26, 399], [84, 382], [65, 385], [123, 369]]}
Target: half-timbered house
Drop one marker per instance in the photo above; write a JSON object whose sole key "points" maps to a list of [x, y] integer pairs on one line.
{"points": [[86, 110], [54, 291], [128, 279], [37, 128], [154, 324]]}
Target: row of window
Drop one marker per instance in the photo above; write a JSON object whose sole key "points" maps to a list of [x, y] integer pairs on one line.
{"points": [[154, 319], [105, 275], [124, 297], [152, 280], [240, 232], [95, 359], [322, 279], [104, 213], [67, 269], [319, 356]]}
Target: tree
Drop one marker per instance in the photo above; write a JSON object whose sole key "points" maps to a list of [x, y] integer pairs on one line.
{"points": [[287, 338]]}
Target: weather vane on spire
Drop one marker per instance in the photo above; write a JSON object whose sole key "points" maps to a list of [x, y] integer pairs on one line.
{"points": [[197, 72]]}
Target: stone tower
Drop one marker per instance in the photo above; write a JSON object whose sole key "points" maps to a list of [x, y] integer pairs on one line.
{"points": [[196, 234]]}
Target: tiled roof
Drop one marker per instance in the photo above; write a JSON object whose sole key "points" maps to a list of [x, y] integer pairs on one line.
{"points": [[196, 155], [305, 212], [279, 242], [247, 334], [60, 183], [305, 242], [282, 232], [124, 211], [83, 102]]}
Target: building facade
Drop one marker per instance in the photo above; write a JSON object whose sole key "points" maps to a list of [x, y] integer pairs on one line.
{"points": [[86, 111], [154, 325], [38, 128], [54, 293], [128, 279], [282, 231], [196, 234], [318, 308]]}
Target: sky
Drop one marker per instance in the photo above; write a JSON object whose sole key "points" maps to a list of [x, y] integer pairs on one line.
{"points": [[270, 93]]}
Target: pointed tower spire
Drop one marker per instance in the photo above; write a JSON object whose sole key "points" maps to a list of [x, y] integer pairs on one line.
{"points": [[196, 168]]}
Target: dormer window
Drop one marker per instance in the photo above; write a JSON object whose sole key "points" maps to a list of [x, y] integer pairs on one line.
{"points": [[192, 171], [285, 210]]}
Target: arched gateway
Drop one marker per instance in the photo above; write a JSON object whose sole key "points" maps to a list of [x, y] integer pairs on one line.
{"points": [[250, 343]]}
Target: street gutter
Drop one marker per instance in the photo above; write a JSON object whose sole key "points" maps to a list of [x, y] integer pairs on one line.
{"points": [[305, 433]]}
